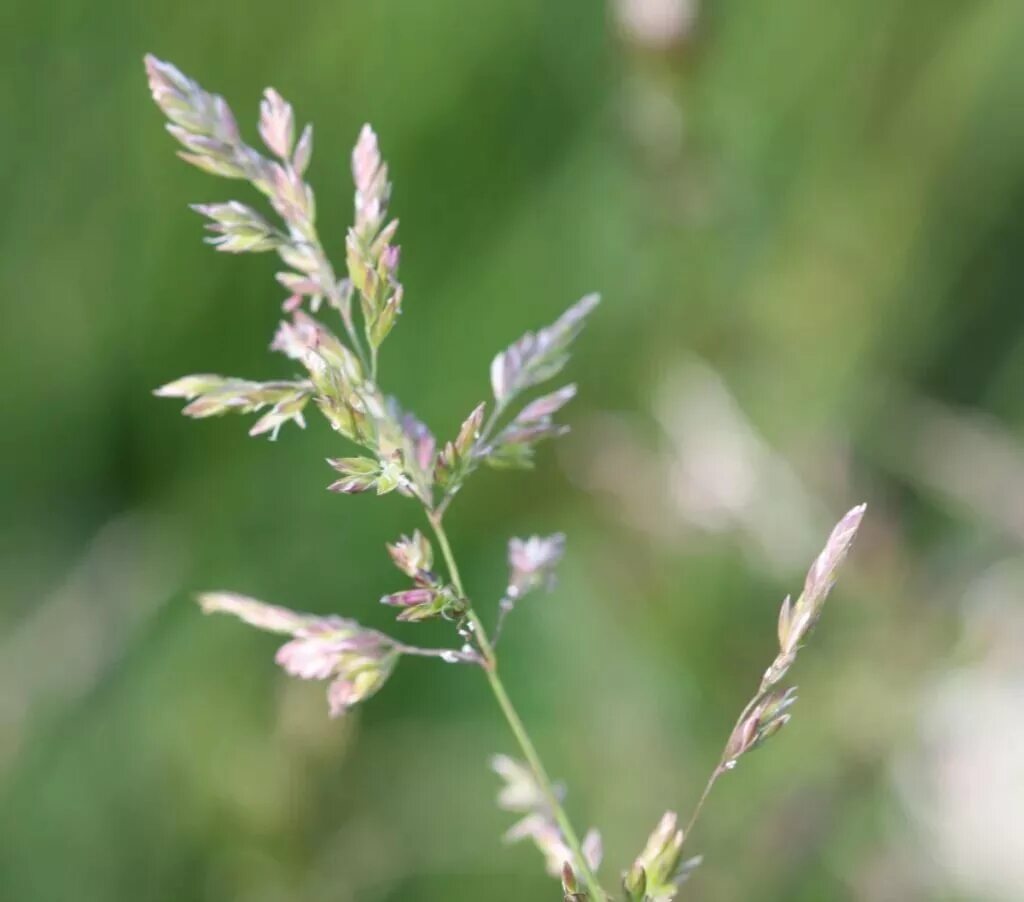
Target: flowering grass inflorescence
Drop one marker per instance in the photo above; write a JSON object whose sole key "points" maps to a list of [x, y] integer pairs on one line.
{"points": [[397, 452]]}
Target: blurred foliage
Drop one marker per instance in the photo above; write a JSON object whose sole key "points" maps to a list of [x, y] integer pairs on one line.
{"points": [[822, 201]]}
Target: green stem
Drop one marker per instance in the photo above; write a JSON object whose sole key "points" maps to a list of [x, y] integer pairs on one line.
{"points": [[700, 804], [515, 723], [720, 768]]}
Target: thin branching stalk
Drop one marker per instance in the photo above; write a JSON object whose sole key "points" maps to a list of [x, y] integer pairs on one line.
{"points": [[515, 722], [767, 710]]}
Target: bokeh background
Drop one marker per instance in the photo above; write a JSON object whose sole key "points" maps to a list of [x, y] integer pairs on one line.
{"points": [[806, 219]]}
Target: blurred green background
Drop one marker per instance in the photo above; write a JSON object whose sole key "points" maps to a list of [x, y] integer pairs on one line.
{"points": [[806, 221]]}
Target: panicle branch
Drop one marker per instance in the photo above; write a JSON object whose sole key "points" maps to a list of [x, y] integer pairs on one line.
{"points": [[531, 563], [659, 870], [357, 661], [768, 711], [532, 360], [212, 396], [523, 795]]}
